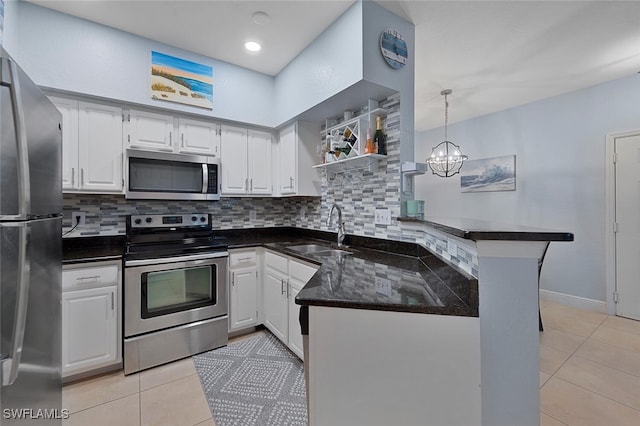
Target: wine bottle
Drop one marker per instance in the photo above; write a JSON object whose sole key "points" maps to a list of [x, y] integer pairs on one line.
{"points": [[379, 138]]}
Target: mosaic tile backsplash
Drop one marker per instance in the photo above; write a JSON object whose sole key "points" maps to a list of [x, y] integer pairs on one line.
{"points": [[358, 193]]}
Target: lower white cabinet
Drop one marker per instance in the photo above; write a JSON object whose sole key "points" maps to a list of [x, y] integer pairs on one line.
{"points": [[91, 325], [243, 294], [284, 278]]}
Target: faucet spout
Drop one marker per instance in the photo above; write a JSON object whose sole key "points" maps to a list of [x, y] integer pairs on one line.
{"points": [[340, 223]]}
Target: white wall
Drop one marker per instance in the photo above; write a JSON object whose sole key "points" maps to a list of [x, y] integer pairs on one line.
{"points": [[68, 53], [375, 69], [10, 27], [559, 145], [330, 64]]}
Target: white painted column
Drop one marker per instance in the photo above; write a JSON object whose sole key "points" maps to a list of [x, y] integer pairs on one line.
{"points": [[510, 365]]}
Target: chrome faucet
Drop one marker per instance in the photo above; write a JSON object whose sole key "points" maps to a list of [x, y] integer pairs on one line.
{"points": [[340, 223]]}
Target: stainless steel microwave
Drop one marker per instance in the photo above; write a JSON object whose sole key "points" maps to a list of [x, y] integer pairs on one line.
{"points": [[166, 176]]}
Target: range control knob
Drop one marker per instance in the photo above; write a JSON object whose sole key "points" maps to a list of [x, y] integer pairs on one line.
{"points": [[203, 219], [194, 218], [138, 221], [148, 220]]}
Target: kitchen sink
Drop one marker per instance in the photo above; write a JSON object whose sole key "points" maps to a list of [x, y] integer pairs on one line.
{"points": [[317, 249]]}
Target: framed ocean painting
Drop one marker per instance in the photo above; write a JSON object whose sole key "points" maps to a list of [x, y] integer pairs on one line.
{"points": [[489, 174], [178, 80]]}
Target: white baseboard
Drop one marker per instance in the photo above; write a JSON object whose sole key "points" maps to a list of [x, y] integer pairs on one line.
{"points": [[574, 301]]}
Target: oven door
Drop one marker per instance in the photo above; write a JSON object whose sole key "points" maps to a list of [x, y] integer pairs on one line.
{"points": [[167, 292]]}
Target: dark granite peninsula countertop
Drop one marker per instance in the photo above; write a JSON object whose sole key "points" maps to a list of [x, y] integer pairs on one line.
{"points": [[476, 230]]}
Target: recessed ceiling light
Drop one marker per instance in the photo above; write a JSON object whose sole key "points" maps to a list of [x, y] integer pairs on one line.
{"points": [[252, 46], [261, 18]]}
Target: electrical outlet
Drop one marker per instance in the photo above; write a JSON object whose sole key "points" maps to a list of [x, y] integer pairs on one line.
{"points": [[303, 213], [75, 215], [252, 215], [452, 248], [383, 217]]}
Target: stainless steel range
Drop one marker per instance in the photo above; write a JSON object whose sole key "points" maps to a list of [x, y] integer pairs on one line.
{"points": [[175, 289]]}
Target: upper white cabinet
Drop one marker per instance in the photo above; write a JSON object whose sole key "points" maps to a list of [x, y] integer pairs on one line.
{"points": [[246, 161], [161, 132], [199, 137], [147, 130], [91, 147], [297, 153]]}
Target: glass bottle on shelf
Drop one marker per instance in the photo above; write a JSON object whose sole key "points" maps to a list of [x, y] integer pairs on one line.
{"points": [[369, 148], [379, 138]]}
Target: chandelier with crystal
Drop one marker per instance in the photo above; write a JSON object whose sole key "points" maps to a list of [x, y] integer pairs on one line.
{"points": [[446, 158]]}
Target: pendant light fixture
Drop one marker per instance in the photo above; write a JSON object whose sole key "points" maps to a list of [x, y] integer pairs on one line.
{"points": [[446, 158]]}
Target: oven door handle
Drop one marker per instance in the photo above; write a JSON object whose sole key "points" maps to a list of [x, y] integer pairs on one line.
{"points": [[162, 260]]}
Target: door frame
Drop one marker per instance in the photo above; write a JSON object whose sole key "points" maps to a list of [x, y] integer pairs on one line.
{"points": [[610, 217]]}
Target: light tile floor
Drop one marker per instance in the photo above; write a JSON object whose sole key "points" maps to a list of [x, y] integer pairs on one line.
{"points": [[589, 375]]}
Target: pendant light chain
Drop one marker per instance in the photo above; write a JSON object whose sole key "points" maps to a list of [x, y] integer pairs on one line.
{"points": [[446, 114]]}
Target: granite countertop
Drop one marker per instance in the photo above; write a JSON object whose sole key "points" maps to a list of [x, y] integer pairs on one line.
{"points": [[476, 230], [92, 249], [377, 274], [379, 280]]}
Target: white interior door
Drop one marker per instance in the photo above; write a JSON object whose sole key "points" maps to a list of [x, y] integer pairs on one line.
{"points": [[627, 209]]}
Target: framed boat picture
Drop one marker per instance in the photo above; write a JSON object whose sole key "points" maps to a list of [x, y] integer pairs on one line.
{"points": [[181, 81]]}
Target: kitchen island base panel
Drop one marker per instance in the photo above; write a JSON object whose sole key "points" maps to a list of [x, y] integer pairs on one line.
{"points": [[383, 367]]}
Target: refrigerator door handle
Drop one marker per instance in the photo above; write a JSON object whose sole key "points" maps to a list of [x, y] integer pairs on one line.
{"points": [[10, 365], [24, 185]]}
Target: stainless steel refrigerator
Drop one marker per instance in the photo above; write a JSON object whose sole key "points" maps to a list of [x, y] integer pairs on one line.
{"points": [[30, 251]]}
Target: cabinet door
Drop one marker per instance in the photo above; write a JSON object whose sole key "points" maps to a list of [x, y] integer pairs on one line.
{"points": [[244, 298], [147, 130], [259, 145], [100, 147], [233, 145], [295, 333], [69, 110], [89, 329], [275, 306], [199, 137], [288, 173]]}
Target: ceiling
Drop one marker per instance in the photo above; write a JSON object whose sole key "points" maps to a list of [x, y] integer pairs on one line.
{"points": [[493, 54]]}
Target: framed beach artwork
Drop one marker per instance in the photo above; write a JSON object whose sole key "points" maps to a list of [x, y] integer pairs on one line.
{"points": [[178, 80], [489, 174]]}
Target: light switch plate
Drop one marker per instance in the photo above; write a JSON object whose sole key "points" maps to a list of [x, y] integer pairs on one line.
{"points": [[303, 213], [383, 286], [383, 217], [252, 215]]}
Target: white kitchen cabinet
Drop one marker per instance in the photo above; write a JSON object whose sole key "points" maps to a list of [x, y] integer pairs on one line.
{"points": [[246, 161], [91, 146], [284, 278], [297, 154], [275, 305], [151, 131], [243, 295], [199, 137], [162, 132], [91, 324], [69, 110]]}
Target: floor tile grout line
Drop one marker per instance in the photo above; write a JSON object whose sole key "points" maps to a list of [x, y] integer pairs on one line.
{"points": [[170, 381], [554, 418], [607, 366], [105, 402], [600, 395]]}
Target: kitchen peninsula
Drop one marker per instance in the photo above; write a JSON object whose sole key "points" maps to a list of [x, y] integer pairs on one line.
{"points": [[400, 366]]}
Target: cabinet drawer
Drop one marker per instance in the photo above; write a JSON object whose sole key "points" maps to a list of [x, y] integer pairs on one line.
{"points": [[301, 271], [276, 261], [86, 277], [243, 258]]}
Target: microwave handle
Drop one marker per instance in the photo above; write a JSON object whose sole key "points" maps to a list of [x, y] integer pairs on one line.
{"points": [[205, 177]]}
